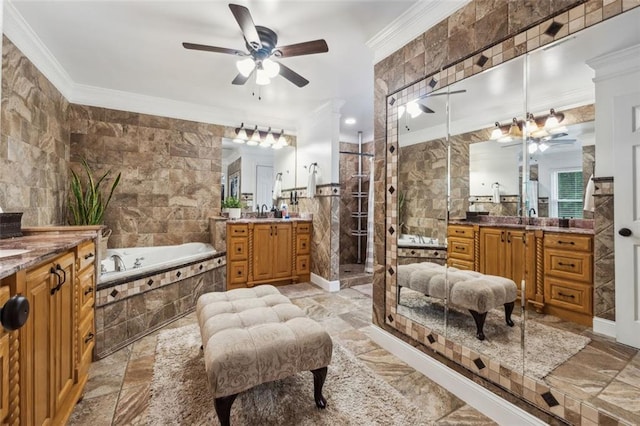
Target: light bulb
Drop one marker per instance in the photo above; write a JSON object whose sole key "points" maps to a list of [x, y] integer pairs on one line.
{"points": [[496, 133], [413, 109], [246, 66], [543, 147], [269, 139], [251, 142], [277, 145], [270, 67], [262, 78], [533, 147], [238, 140], [255, 138], [282, 140]]}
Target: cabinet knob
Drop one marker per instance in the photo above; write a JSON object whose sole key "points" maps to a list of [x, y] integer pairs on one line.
{"points": [[14, 313], [88, 256], [625, 232]]}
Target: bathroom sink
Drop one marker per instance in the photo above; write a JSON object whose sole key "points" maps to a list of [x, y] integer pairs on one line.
{"points": [[11, 252]]}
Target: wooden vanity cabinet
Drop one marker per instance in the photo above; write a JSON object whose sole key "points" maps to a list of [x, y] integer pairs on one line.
{"points": [[568, 276], [47, 362], [4, 360], [502, 253], [264, 252], [461, 247], [272, 250]]}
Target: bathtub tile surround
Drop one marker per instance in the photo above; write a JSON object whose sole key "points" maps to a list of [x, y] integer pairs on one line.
{"points": [[168, 167], [464, 44], [126, 312], [35, 134], [604, 301]]}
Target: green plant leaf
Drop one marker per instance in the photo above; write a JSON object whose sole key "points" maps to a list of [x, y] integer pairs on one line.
{"points": [[87, 204]]}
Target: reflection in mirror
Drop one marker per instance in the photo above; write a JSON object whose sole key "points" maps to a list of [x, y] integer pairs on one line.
{"points": [[493, 230], [422, 200], [251, 173]]}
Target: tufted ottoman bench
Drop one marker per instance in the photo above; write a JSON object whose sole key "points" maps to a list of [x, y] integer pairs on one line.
{"points": [[476, 292], [256, 335]]}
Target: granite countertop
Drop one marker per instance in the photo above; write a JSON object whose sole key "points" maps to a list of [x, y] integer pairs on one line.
{"points": [[576, 226], [268, 220], [42, 247]]}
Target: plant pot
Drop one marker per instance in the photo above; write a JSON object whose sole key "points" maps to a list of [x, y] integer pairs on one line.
{"points": [[104, 240], [235, 213]]}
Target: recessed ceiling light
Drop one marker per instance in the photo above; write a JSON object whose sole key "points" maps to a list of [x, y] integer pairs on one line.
{"points": [[350, 120]]}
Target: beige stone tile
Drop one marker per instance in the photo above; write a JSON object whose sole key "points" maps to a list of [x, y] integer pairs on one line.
{"points": [[106, 375], [385, 364], [94, 411], [132, 404], [356, 341], [139, 371], [465, 415], [622, 395]]}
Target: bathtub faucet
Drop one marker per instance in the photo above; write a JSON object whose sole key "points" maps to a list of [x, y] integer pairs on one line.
{"points": [[118, 262], [137, 263]]}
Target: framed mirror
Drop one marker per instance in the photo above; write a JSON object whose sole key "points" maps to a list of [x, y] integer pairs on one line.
{"points": [[518, 182]]}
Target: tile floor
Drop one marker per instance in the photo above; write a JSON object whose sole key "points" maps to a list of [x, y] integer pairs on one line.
{"points": [[118, 389]]}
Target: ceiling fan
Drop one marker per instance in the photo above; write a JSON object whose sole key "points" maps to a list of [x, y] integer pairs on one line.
{"points": [[262, 46]]}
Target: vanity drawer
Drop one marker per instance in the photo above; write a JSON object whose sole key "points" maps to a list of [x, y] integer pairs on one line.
{"points": [[568, 242], [86, 342], [238, 230], [460, 264], [86, 254], [460, 248], [303, 243], [303, 228], [303, 264], [569, 265], [87, 288], [238, 249], [567, 295], [460, 231], [238, 273]]}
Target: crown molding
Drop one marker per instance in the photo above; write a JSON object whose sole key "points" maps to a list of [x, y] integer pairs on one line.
{"points": [[22, 35], [415, 21], [616, 64]]}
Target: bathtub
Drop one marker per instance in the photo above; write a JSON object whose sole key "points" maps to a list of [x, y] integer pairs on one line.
{"points": [[139, 261]]}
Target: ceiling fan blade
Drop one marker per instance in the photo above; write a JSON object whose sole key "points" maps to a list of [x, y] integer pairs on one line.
{"points": [[306, 48], [293, 76], [241, 79], [244, 19], [425, 109], [206, 48]]}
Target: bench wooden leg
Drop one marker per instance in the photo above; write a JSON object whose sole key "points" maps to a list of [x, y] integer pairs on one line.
{"points": [[318, 381], [223, 408], [508, 309], [479, 319]]}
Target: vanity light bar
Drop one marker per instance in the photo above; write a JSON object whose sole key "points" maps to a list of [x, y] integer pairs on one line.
{"points": [[264, 138]]}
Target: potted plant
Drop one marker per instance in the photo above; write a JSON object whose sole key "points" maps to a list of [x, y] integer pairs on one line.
{"points": [[88, 203], [233, 206]]}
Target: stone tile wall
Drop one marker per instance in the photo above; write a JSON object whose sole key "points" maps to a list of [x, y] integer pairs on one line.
{"points": [[604, 298], [493, 31], [349, 204], [171, 171], [34, 144]]}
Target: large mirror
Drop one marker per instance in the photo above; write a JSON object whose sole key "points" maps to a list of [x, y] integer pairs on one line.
{"points": [[253, 173], [489, 177]]}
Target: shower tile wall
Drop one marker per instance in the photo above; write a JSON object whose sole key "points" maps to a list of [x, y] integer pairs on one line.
{"points": [[34, 149], [349, 204], [171, 171]]}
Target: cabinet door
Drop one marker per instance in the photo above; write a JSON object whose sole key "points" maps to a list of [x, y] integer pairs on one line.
{"points": [[282, 249], [4, 362], [492, 247], [515, 256], [263, 252], [36, 349], [61, 327]]}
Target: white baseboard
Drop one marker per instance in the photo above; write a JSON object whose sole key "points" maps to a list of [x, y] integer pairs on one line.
{"points": [[604, 327], [330, 286], [483, 400]]}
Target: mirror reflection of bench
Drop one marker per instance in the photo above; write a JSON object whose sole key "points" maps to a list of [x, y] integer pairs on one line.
{"points": [[476, 292]]}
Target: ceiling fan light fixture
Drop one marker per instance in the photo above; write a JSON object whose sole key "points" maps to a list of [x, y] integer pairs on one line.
{"points": [[262, 79], [271, 68], [245, 66], [533, 147], [543, 146]]}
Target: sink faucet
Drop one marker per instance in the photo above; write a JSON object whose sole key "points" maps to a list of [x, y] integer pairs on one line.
{"points": [[263, 210], [532, 211], [137, 263], [119, 263]]}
